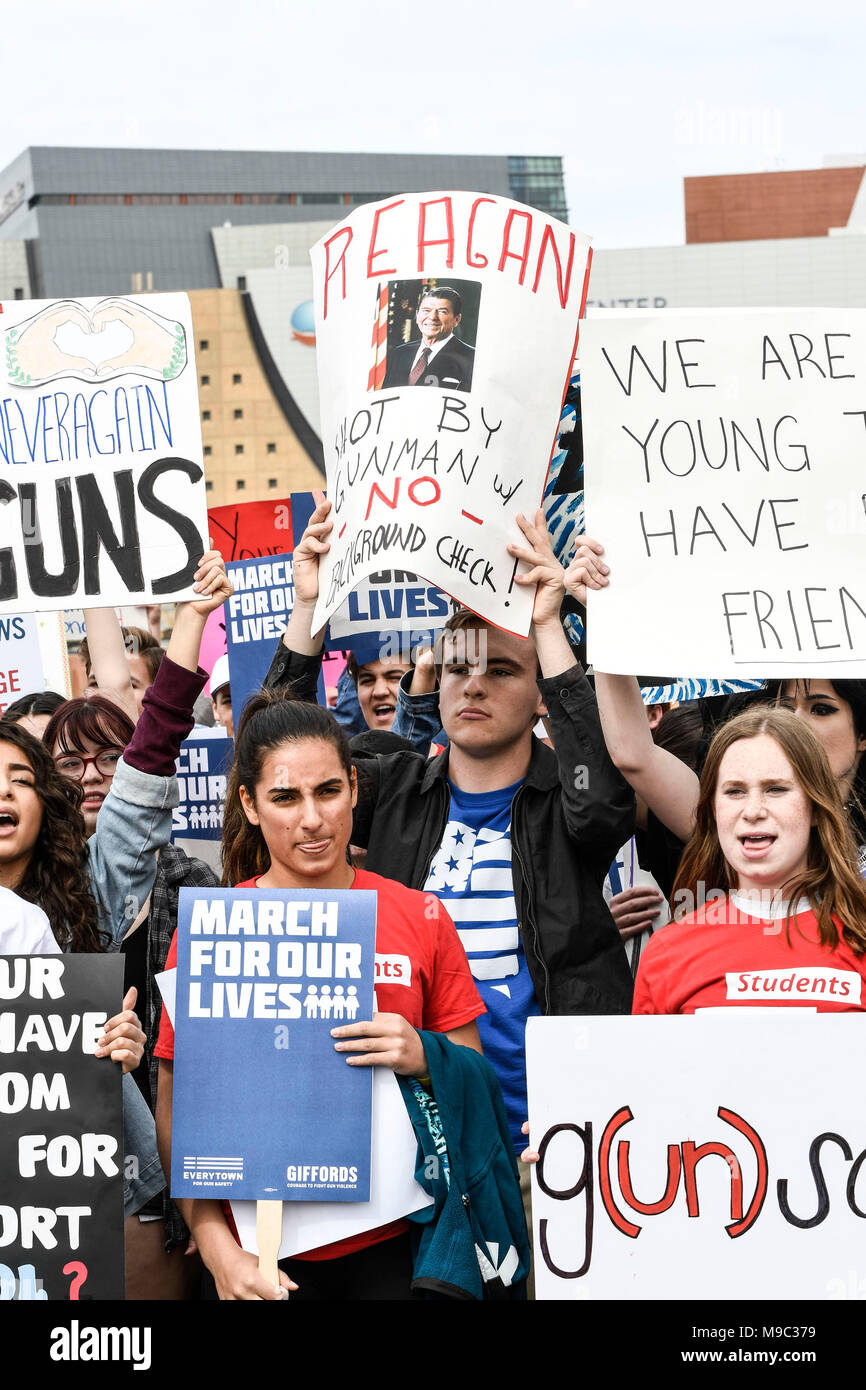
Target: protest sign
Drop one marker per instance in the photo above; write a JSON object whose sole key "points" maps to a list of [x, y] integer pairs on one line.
{"points": [[74, 626], [61, 1136], [387, 616], [255, 618], [477, 299], [202, 772], [724, 469], [264, 1108], [101, 478], [393, 1189], [246, 530], [697, 1157], [20, 659]]}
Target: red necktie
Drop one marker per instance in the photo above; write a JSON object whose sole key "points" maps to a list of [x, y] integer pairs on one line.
{"points": [[420, 367]]}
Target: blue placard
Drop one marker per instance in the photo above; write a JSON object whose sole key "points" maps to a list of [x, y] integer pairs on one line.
{"points": [[264, 1108], [256, 616], [202, 772]]}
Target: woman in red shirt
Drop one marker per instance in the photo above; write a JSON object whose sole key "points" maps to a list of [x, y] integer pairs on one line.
{"points": [[774, 911], [287, 824]]}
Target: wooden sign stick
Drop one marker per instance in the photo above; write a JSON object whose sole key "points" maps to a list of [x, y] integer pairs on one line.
{"points": [[269, 1230]]}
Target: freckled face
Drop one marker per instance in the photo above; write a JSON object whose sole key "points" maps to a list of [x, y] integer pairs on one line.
{"points": [[763, 815]]}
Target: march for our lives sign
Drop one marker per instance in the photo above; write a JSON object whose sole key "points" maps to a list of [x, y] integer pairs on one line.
{"points": [[256, 615], [202, 772], [264, 1108]]}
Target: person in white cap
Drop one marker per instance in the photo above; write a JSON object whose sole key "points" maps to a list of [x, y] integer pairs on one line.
{"points": [[221, 695]]}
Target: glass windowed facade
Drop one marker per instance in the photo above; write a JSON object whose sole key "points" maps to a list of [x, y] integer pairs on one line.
{"points": [[537, 180]]}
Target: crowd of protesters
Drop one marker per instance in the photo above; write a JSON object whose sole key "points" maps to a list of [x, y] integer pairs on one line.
{"points": [[494, 779]]}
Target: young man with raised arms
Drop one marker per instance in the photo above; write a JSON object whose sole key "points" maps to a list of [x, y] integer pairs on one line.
{"points": [[515, 838]]}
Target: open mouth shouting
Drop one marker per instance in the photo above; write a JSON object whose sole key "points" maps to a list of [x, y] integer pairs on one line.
{"points": [[383, 712]]}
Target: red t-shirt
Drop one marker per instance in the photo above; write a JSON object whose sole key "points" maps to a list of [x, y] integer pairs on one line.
{"points": [[721, 956], [421, 972]]}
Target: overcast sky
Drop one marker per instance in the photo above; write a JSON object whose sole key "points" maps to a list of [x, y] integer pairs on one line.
{"points": [[633, 96]]}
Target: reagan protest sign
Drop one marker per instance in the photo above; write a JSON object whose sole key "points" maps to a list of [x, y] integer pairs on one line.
{"points": [[61, 1134], [388, 615], [263, 1106], [101, 478], [476, 299], [725, 464], [20, 660], [202, 772], [697, 1157]]}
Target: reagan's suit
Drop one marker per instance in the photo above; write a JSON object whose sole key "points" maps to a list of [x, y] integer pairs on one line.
{"points": [[451, 368]]}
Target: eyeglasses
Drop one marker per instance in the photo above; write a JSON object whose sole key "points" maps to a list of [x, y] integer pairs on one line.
{"points": [[72, 765]]}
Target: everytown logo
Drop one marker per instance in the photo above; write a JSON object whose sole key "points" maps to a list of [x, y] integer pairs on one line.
{"points": [[77, 1343]]}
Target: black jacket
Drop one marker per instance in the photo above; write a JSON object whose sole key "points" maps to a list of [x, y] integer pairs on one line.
{"points": [[450, 369], [568, 821]]}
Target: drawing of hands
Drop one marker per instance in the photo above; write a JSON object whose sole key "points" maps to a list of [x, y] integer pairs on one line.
{"points": [[160, 346], [32, 352]]}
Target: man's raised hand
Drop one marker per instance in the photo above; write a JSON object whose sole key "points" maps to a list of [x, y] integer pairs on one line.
{"points": [[313, 543]]}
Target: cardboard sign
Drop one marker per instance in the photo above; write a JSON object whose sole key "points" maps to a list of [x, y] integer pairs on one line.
{"points": [[393, 1189], [61, 1135], [709, 1156], [20, 660], [476, 300], [264, 1108], [724, 466], [101, 478], [255, 618], [202, 773], [389, 617], [246, 530]]}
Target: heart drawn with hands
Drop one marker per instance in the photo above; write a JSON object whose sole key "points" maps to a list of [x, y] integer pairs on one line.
{"points": [[97, 345]]}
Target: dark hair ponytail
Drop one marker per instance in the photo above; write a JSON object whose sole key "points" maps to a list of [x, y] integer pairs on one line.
{"points": [[270, 719]]}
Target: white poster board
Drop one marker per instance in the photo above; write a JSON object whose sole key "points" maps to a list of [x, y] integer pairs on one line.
{"points": [[430, 480], [712, 1156], [725, 467], [101, 479], [20, 659]]}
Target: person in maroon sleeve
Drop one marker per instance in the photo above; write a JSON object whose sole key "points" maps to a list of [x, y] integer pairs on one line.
{"points": [[124, 779], [288, 823]]}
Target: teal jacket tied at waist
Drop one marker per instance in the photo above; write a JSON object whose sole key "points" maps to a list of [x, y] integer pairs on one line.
{"points": [[472, 1242]]}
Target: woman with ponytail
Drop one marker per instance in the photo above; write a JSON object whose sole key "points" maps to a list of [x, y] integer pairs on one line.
{"points": [[287, 825]]}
